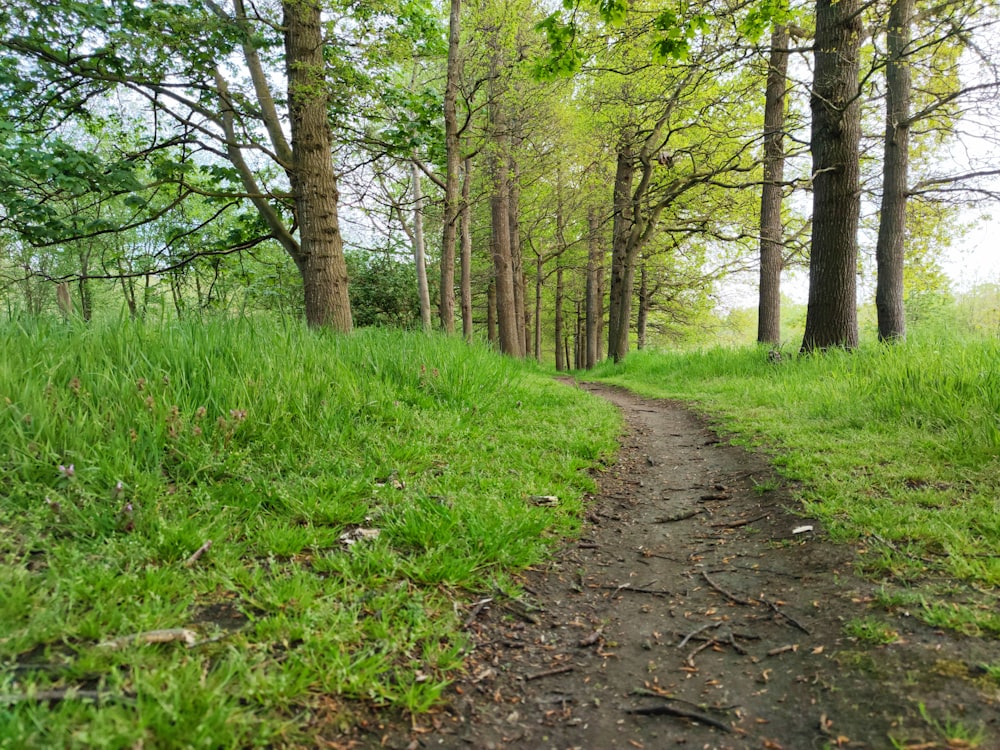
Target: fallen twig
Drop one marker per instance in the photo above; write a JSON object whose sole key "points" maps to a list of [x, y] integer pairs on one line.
{"points": [[737, 524], [476, 609], [681, 517], [730, 596], [792, 621], [198, 553], [682, 713], [549, 673], [168, 635], [698, 630], [630, 587]]}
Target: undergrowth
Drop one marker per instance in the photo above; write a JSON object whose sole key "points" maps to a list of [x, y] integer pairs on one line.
{"points": [[347, 494]]}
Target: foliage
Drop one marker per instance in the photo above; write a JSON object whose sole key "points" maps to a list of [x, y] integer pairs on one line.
{"points": [[126, 447], [896, 449], [383, 291]]}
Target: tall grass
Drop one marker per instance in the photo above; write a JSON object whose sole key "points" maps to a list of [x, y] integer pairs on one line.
{"points": [[895, 446], [126, 447]]}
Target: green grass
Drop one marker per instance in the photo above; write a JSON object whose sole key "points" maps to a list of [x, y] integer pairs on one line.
{"points": [[896, 448], [124, 448]]}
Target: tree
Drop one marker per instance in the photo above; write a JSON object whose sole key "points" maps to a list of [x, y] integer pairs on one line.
{"points": [[172, 60], [831, 319], [771, 246]]}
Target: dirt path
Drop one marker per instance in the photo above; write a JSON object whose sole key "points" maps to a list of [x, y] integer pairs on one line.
{"points": [[692, 614]]}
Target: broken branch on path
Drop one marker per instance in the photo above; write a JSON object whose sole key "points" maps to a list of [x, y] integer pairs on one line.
{"points": [[696, 631], [729, 595], [737, 524], [682, 713], [630, 587], [680, 517], [476, 609], [548, 673]]}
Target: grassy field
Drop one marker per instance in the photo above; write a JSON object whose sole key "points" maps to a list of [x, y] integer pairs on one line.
{"points": [[895, 448], [357, 492]]}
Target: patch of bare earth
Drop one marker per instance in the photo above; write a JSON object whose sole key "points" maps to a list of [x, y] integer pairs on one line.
{"points": [[691, 614]]}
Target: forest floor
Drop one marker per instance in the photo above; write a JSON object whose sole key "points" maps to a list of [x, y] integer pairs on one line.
{"points": [[694, 611]]}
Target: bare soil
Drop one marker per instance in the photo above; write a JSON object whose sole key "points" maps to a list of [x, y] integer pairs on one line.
{"points": [[695, 612]]}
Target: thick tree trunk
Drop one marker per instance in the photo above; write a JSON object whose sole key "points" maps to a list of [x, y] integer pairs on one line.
{"points": [[771, 260], [466, 284], [889, 251], [313, 181], [419, 249], [622, 270], [560, 359], [831, 318], [593, 292], [453, 160]]}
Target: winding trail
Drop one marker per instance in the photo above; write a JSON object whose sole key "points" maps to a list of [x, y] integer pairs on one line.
{"points": [[694, 612]]}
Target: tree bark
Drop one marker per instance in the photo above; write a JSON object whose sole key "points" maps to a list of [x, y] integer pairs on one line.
{"points": [[466, 284], [622, 272], [491, 313], [538, 308], [560, 358], [831, 318], [516, 255], [510, 325], [453, 160], [890, 248], [320, 256], [593, 291], [643, 309], [419, 249], [771, 255]]}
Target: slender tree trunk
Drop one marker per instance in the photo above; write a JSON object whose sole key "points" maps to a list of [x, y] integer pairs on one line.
{"points": [[643, 309], [516, 256], [600, 303], [890, 248], [538, 307], [560, 359], [313, 181], [620, 310], [491, 313], [771, 260], [831, 318], [578, 339], [419, 250], [593, 298], [466, 286], [453, 160]]}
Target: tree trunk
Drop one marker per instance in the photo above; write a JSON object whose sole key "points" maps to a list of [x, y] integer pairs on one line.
{"points": [[622, 272], [538, 307], [771, 260], [831, 318], [516, 257], [593, 298], [320, 256], [560, 359], [643, 309], [889, 251], [419, 250], [491, 313], [453, 160], [466, 285], [510, 325]]}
